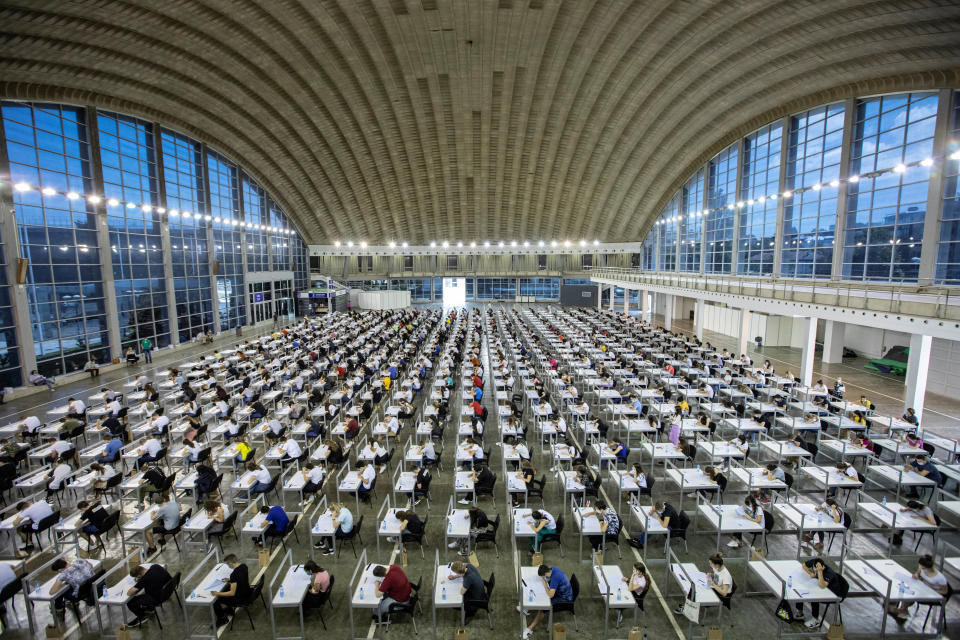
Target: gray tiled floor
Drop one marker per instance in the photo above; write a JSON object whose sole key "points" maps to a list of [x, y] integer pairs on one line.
{"points": [[751, 617]]}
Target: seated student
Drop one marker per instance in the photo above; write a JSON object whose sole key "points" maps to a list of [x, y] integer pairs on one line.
{"points": [[352, 429], [428, 453], [342, 524], [421, 484], [847, 470], [111, 451], [60, 473], [151, 482], [662, 512], [93, 518], [826, 578], [335, 454], [319, 590], [716, 477], [37, 379], [918, 510], [379, 452], [312, 479], [206, 482], [638, 582], [367, 476], [149, 450], [832, 510], [236, 593], [751, 511], [472, 588], [192, 450], [927, 573], [617, 449], [639, 477], [147, 591], [922, 465], [558, 590], [411, 526], [290, 448], [218, 512], [483, 480], [159, 423], [277, 522], [29, 515], [167, 512], [57, 449], [543, 525], [393, 588], [74, 575], [260, 481], [232, 427], [773, 473], [609, 523]]}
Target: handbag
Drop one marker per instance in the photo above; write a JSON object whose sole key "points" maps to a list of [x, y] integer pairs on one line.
{"points": [[784, 612], [691, 608]]}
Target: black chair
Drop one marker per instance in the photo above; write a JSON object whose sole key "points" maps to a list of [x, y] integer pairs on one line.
{"points": [[291, 528], [349, 537], [229, 524], [8, 594], [535, 490], [112, 521], [768, 524], [847, 521], [490, 535], [485, 603], [555, 536], [327, 598], [920, 534], [569, 606], [406, 608], [256, 591], [47, 525], [843, 588], [173, 533], [942, 605], [487, 490], [725, 600], [648, 490], [406, 536], [787, 480], [679, 531], [614, 538], [113, 482]]}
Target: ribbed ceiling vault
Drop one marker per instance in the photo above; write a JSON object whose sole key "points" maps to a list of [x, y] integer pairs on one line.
{"points": [[425, 120]]}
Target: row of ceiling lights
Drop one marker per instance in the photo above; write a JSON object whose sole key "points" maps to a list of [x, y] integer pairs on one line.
{"points": [[445, 244], [24, 187]]}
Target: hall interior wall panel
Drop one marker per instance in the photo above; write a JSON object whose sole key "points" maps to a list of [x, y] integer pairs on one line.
{"points": [[944, 375]]}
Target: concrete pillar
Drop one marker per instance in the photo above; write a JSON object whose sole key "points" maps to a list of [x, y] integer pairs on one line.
{"points": [[626, 301], [809, 328], [599, 296], [918, 365], [744, 332], [698, 318], [644, 306], [613, 290], [833, 341], [668, 312]]}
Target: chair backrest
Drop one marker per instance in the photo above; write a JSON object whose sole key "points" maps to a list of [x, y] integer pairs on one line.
{"points": [[574, 586], [355, 530], [683, 521], [559, 525], [496, 524], [788, 479], [768, 522], [847, 520], [843, 587], [49, 521], [492, 582], [114, 480], [112, 520], [257, 588]]}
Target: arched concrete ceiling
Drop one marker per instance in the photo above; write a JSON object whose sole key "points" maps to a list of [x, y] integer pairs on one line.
{"points": [[425, 120]]}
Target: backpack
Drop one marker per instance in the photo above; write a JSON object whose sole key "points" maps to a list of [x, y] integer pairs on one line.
{"points": [[785, 612]]}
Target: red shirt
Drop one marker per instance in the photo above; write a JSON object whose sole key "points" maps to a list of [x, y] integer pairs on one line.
{"points": [[477, 382], [477, 408], [352, 427], [395, 584]]}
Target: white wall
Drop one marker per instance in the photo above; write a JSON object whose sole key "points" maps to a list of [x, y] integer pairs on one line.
{"points": [[943, 376], [871, 342], [384, 299]]}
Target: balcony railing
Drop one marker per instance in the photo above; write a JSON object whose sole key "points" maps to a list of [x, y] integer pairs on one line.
{"points": [[889, 297]]}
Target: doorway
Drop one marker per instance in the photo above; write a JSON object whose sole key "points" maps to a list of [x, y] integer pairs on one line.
{"points": [[454, 292]]}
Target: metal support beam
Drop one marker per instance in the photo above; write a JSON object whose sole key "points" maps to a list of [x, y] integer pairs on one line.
{"points": [[165, 248], [931, 223], [809, 347], [918, 365]]}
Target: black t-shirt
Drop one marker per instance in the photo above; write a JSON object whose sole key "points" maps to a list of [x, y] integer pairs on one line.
{"points": [[154, 476], [96, 515], [482, 521], [485, 478], [670, 512], [241, 576], [153, 581], [473, 584], [829, 575], [414, 525]]}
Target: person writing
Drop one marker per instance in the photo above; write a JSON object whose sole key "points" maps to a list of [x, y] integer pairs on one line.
{"points": [[236, 593], [472, 589], [558, 590], [393, 588], [827, 578], [147, 591], [319, 590], [927, 573]]}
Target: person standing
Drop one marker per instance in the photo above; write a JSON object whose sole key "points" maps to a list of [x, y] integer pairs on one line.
{"points": [[146, 345]]}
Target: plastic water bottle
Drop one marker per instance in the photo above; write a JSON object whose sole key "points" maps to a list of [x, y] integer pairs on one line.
{"points": [[103, 590], [281, 591], [187, 523], [619, 591], [443, 593], [883, 501], [193, 593], [819, 518], [789, 582], [530, 595], [449, 526], [383, 525], [901, 589], [518, 526], [361, 593], [36, 586], [698, 468]]}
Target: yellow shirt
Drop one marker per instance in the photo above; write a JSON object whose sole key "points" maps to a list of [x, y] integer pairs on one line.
{"points": [[243, 449], [386, 383]]}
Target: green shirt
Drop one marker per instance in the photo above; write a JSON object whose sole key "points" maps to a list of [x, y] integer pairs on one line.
{"points": [[146, 343]]}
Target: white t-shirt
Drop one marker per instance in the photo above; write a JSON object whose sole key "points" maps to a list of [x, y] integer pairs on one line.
{"points": [[31, 423], [723, 578], [263, 475], [315, 475], [161, 422], [523, 451], [232, 427], [114, 407], [61, 447], [368, 475], [429, 451], [60, 472], [551, 521], [36, 512], [77, 406], [938, 581], [7, 575], [292, 449], [152, 447]]}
